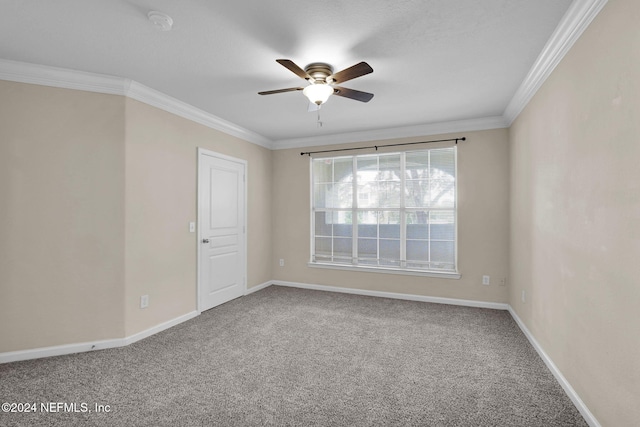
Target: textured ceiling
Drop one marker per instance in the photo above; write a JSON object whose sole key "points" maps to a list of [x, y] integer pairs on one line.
{"points": [[434, 60]]}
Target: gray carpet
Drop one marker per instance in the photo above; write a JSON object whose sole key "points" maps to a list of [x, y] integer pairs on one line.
{"points": [[292, 357]]}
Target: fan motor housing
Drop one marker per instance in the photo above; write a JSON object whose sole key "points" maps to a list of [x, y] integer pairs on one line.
{"points": [[319, 71]]}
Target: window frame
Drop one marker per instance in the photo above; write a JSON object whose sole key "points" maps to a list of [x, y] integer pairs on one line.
{"points": [[403, 210]]}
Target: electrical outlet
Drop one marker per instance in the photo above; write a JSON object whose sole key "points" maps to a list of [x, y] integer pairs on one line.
{"points": [[524, 295], [486, 280], [144, 301], [192, 227], [281, 262]]}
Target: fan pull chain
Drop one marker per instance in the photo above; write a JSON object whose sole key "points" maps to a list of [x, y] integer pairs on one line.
{"points": [[319, 122]]}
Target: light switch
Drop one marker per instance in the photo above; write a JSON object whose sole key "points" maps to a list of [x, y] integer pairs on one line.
{"points": [[192, 227]]}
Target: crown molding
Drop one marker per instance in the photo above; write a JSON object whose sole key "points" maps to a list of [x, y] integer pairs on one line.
{"points": [[172, 105], [577, 18], [43, 75], [485, 123], [573, 23]]}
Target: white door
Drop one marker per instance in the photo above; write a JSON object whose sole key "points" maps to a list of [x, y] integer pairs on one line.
{"points": [[221, 231]]}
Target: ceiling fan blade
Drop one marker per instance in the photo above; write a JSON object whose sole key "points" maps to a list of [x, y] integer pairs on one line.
{"points": [[291, 66], [352, 72], [271, 92], [352, 94]]}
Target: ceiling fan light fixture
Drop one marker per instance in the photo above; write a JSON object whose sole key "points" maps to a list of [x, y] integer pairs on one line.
{"points": [[318, 93]]}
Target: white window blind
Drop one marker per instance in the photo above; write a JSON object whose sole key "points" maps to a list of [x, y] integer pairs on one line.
{"points": [[392, 210]]}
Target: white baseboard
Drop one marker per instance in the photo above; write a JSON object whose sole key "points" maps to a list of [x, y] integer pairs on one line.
{"points": [[159, 328], [60, 350], [394, 295], [258, 287], [579, 404], [571, 393], [14, 356]]}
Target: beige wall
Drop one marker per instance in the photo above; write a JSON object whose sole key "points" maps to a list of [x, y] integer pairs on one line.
{"points": [[483, 217], [97, 192], [61, 216], [575, 225], [161, 160]]}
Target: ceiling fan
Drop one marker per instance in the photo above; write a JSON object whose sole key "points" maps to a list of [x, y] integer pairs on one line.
{"points": [[322, 81]]}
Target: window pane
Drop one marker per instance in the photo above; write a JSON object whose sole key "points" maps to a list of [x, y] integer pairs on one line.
{"points": [[417, 194], [442, 226], [368, 195], [389, 224], [368, 224], [417, 165], [367, 167], [418, 231], [442, 192], [343, 170], [390, 249], [442, 163], [342, 247], [417, 225], [389, 167], [323, 224], [385, 167], [367, 230], [323, 246], [442, 252], [417, 250], [368, 248], [321, 195], [388, 194], [343, 228], [323, 170], [333, 195]]}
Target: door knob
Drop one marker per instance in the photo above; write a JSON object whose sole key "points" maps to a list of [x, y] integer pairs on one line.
{"points": [[205, 240]]}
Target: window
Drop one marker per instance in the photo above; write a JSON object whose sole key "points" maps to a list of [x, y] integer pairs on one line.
{"points": [[386, 211]]}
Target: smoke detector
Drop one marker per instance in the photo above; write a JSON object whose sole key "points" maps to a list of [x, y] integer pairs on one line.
{"points": [[160, 20]]}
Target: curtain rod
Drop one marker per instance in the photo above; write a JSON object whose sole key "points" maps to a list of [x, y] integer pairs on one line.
{"points": [[309, 153]]}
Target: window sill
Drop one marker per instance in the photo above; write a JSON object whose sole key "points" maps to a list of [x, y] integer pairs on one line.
{"points": [[385, 270]]}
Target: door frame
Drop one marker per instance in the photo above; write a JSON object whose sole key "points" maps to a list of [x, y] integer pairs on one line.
{"points": [[201, 153]]}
